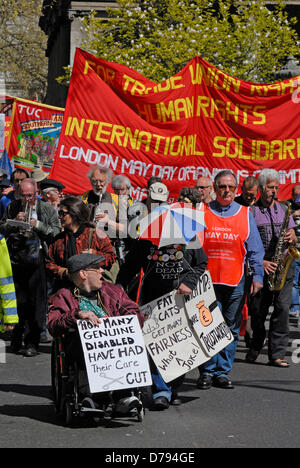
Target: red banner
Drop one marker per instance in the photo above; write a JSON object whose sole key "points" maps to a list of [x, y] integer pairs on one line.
{"points": [[194, 124], [34, 134]]}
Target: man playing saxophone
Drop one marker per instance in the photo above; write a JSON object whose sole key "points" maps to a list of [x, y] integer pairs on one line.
{"points": [[276, 228]]}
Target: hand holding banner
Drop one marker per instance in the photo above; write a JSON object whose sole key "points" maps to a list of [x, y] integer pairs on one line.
{"points": [[194, 124], [183, 332]]}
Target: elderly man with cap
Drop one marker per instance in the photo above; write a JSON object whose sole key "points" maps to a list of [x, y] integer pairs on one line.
{"points": [[88, 298], [51, 191]]}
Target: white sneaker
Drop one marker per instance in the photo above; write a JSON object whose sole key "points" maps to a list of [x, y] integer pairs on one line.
{"points": [[127, 404]]}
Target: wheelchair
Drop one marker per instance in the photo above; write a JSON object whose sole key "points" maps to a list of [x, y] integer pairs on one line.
{"points": [[71, 404]]}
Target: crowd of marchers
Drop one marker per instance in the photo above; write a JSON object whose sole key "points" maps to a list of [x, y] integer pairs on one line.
{"points": [[65, 258]]}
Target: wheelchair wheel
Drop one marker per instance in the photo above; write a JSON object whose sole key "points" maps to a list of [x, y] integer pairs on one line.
{"points": [[68, 412], [90, 404], [141, 414], [56, 374]]}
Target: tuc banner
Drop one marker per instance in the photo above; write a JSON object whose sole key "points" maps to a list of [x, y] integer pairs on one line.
{"points": [[34, 133], [183, 332], [195, 123]]}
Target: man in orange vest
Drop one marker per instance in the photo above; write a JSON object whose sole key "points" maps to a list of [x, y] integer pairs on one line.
{"points": [[230, 239]]}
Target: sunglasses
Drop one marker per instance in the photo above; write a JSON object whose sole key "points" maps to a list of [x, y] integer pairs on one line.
{"points": [[62, 213], [203, 187], [231, 188]]}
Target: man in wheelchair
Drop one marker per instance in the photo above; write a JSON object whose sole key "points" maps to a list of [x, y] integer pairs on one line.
{"points": [[90, 298]]}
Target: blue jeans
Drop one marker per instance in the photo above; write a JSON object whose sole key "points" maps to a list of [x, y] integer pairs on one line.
{"points": [[160, 387], [295, 306], [231, 301]]}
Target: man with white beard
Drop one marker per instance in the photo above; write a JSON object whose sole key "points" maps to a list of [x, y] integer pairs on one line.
{"points": [[98, 198]]}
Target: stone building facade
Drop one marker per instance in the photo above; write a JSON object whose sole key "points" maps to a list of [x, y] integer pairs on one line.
{"points": [[60, 22]]}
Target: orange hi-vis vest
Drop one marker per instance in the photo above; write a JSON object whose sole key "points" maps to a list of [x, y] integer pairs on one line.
{"points": [[224, 245]]}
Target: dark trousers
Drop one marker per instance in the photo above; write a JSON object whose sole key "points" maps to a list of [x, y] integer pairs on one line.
{"points": [[31, 292], [259, 305]]}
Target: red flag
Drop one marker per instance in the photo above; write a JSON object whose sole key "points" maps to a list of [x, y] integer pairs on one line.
{"points": [[194, 124]]}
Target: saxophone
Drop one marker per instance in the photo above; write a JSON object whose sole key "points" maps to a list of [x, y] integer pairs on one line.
{"points": [[284, 260]]}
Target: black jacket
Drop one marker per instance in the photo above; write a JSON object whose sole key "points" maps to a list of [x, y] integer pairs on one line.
{"points": [[164, 268]]}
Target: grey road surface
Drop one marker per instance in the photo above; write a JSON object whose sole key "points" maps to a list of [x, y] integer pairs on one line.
{"points": [[262, 411]]}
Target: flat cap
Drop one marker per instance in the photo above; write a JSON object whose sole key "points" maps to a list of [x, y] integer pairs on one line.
{"points": [[51, 183], [83, 261]]}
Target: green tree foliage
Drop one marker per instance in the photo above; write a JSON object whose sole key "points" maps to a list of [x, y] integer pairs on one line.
{"points": [[22, 47], [159, 37]]}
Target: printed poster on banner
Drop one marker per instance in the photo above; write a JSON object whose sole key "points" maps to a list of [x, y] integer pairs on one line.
{"points": [[183, 332], [115, 354], [34, 134]]}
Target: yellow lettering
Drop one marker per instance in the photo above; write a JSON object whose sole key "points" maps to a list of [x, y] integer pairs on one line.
{"points": [[87, 65], [175, 140], [260, 115], [173, 80], [69, 121], [187, 145], [144, 138], [128, 80], [288, 146], [118, 131], [235, 143], [202, 104], [157, 143], [138, 87], [105, 132], [219, 146], [131, 137], [167, 111], [234, 112], [76, 126], [180, 106], [91, 126], [262, 150], [276, 147], [241, 155]]}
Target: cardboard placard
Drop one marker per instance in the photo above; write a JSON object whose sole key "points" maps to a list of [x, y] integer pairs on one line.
{"points": [[183, 332], [115, 354]]}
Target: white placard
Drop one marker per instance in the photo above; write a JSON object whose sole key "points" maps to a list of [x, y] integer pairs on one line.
{"points": [[183, 332], [115, 354], [206, 317], [170, 338]]}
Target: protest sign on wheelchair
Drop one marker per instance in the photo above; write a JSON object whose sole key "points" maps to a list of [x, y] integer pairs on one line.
{"points": [[115, 354], [183, 332]]}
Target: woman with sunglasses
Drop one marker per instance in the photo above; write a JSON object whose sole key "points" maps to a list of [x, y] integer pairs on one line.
{"points": [[78, 236]]}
